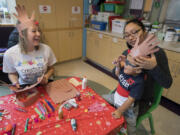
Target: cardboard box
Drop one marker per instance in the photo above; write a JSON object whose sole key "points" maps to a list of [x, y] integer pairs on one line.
{"points": [[118, 25]]}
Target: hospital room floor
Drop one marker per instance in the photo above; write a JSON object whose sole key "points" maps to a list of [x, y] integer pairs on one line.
{"points": [[165, 121]]}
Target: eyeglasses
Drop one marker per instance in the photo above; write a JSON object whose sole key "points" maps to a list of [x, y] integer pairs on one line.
{"points": [[134, 33], [128, 63]]}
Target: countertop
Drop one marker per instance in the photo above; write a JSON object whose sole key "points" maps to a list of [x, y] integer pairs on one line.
{"points": [[168, 45]]}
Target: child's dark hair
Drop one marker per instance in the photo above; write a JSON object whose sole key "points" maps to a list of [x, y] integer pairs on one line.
{"points": [[137, 22]]}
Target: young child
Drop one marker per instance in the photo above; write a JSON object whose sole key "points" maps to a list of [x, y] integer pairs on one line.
{"points": [[128, 92]]}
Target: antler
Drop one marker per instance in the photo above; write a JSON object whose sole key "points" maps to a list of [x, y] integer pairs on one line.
{"points": [[22, 16], [148, 46]]}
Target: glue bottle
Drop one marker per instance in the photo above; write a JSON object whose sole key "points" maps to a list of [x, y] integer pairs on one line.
{"points": [[84, 83]]}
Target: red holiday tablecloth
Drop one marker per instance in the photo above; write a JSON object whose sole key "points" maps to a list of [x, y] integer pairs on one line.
{"points": [[93, 116]]}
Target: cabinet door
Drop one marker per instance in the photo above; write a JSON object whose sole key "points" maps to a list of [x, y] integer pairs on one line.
{"points": [[47, 20], [115, 50], [104, 50], [76, 44], [90, 46], [64, 42], [30, 5], [50, 38], [76, 16], [69, 13], [174, 92], [70, 44]]}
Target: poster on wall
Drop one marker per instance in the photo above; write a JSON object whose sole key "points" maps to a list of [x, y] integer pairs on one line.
{"points": [[76, 10], [44, 9]]}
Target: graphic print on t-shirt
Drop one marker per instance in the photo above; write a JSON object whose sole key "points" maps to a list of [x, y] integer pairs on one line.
{"points": [[30, 70]]}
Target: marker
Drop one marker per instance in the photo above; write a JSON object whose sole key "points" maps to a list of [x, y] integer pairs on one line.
{"points": [[41, 116], [13, 130], [73, 124], [26, 125], [50, 105], [20, 109], [41, 108], [47, 106]]}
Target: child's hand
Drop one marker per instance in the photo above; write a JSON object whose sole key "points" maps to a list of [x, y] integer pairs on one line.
{"points": [[117, 62], [116, 114]]}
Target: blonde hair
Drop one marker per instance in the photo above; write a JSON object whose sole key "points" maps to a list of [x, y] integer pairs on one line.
{"points": [[23, 42]]}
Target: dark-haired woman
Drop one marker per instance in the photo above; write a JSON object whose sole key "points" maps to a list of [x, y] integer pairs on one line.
{"points": [[155, 67]]}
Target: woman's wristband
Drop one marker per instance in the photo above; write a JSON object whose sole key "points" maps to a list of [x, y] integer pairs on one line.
{"points": [[15, 83]]}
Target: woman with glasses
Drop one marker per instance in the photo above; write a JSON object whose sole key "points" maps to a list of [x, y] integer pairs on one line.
{"points": [[144, 54], [155, 66]]}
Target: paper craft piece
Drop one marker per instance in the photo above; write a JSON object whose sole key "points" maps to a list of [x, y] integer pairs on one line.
{"points": [[76, 10], [44, 9], [75, 82], [27, 98], [97, 107], [27, 87], [61, 90], [15, 89], [148, 46]]}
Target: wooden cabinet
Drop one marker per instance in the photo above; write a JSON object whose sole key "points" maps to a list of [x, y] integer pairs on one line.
{"points": [[90, 46], [30, 6], [70, 44], [61, 27], [47, 20], [173, 92], [103, 49], [69, 14], [118, 46]]}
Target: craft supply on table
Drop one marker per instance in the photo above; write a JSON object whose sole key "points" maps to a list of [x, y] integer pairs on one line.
{"points": [[41, 116], [61, 90], [73, 124], [41, 108], [50, 105], [84, 83], [20, 109], [26, 125], [13, 129], [73, 103]]}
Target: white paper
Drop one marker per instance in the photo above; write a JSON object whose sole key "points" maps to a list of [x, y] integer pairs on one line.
{"points": [[136, 4], [100, 36], [115, 40], [76, 10], [44, 9]]}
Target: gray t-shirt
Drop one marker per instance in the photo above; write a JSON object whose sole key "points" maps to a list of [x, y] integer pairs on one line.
{"points": [[29, 66]]}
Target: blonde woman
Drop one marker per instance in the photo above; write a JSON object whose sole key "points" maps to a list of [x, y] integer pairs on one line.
{"points": [[27, 61]]}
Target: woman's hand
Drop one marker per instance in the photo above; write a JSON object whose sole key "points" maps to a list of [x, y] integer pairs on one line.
{"points": [[44, 80], [117, 114], [14, 87], [144, 62], [148, 46]]}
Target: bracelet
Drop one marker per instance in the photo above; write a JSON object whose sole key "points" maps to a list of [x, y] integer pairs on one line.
{"points": [[14, 84]]}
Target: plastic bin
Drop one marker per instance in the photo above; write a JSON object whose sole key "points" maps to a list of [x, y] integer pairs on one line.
{"points": [[109, 7], [98, 25], [119, 9]]}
